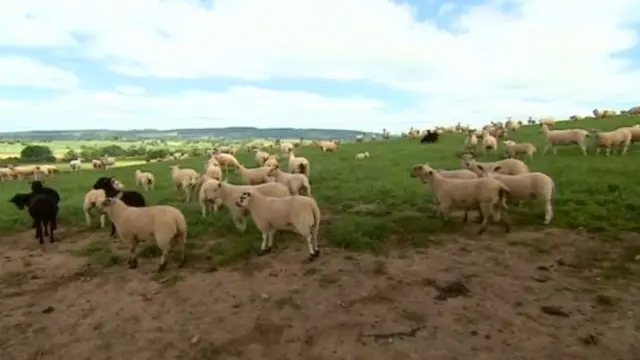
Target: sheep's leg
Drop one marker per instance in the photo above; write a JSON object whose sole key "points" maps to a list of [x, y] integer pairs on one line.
{"points": [[548, 212], [608, 151], [465, 217], [555, 150], [313, 254], [102, 220], [544, 151], [625, 149], [263, 247], [87, 217], [133, 258], [203, 207], [485, 210], [39, 232], [45, 226], [51, 230], [597, 151], [162, 265]]}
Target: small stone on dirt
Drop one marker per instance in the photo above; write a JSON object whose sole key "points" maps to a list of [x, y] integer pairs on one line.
{"points": [[554, 311], [194, 340], [542, 278], [589, 339], [452, 289], [48, 310]]}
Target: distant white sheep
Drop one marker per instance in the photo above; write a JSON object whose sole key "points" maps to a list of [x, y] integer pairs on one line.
{"points": [[612, 139], [362, 156], [145, 180], [298, 164], [514, 149]]}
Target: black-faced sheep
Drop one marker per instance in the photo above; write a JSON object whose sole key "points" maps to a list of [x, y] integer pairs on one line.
{"points": [[430, 137]]}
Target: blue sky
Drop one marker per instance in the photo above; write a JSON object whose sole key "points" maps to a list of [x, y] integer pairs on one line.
{"points": [[376, 65]]}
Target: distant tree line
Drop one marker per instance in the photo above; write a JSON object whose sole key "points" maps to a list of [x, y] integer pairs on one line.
{"points": [[34, 154]]}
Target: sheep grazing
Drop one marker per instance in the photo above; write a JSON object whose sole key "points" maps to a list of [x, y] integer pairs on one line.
{"points": [[92, 200], [362, 156], [611, 139], [507, 166], [485, 194], [535, 185], [145, 180], [162, 223], [298, 164], [221, 192], [328, 146], [300, 214], [112, 188], [514, 149], [564, 137], [489, 142], [43, 209], [430, 137], [185, 180], [298, 184]]}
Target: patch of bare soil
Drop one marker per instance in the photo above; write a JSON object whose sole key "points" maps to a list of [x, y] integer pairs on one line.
{"points": [[520, 296]]}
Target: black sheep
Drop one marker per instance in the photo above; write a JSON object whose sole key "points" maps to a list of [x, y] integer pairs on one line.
{"points": [[129, 197], [43, 210], [430, 137], [38, 188]]}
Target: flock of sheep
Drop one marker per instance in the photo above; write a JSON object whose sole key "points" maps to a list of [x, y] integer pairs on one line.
{"points": [[282, 200]]}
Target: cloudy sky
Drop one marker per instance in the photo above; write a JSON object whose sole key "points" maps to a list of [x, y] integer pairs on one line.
{"points": [[355, 64]]}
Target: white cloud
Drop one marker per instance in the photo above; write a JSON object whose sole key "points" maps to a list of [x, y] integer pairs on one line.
{"points": [[239, 106], [130, 90], [488, 68], [20, 71]]}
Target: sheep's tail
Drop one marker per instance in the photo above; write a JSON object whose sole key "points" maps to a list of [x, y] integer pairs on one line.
{"points": [[553, 190], [315, 227]]}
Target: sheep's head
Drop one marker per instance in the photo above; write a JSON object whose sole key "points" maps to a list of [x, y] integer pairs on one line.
{"points": [[509, 142], [417, 171], [244, 199], [115, 183], [102, 183], [36, 186], [20, 200]]}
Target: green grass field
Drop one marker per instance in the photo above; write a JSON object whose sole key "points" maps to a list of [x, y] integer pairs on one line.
{"points": [[374, 205]]}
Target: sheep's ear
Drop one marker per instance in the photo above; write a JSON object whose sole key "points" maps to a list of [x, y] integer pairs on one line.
{"points": [[119, 196], [480, 167], [430, 172], [497, 168]]}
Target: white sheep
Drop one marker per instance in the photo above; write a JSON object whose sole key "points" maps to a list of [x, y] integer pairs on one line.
{"points": [[362, 156], [214, 172], [145, 180], [484, 194], [206, 200], [298, 184], [93, 200], [328, 146], [524, 187], [489, 142], [507, 166], [164, 223], [75, 165], [184, 179], [221, 192], [514, 149], [564, 137], [255, 176], [300, 214], [471, 141], [610, 139], [420, 171], [298, 164], [226, 160]]}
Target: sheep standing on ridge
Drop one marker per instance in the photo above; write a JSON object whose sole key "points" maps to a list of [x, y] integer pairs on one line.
{"points": [[145, 180], [300, 214], [564, 137], [164, 223]]}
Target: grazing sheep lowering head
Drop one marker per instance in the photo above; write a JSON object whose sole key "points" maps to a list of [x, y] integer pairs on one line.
{"points": [[20, 200]]}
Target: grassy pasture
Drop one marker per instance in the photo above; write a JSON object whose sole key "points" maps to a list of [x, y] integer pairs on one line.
{"points": [[374, 204]]}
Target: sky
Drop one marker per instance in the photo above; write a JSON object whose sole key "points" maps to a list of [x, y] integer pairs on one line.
{"points": [[346, 64]]}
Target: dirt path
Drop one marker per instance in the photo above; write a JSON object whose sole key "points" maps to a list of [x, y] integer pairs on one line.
{"points": [[471, 299]]}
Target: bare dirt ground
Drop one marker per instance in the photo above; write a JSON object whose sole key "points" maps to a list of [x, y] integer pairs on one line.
{"points": [[527, 295]]}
